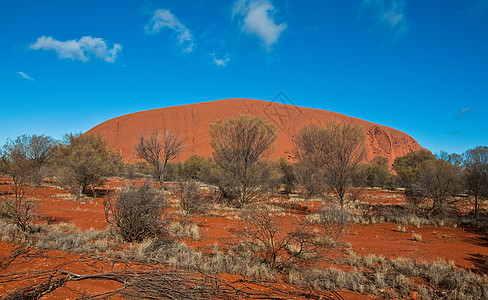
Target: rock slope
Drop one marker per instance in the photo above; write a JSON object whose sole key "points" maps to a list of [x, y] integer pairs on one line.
{"points": [[193, 122]]}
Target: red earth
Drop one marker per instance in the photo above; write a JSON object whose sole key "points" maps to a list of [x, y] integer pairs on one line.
{"points": [[460, 245], [193, 121]]}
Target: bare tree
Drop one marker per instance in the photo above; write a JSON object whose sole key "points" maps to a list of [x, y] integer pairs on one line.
{"points": [[476, 174], [158, 149], [452, 158], [336, 149], [277, 244], [439, 181], [26, 156], [23, 160], [240, 146]]}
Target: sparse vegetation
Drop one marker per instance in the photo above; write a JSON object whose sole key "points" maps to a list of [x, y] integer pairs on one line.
{"points": [[240, 146], [69, 239], [476, 175], [280, 236], [136, 213], [184, 230], [377, 275], [82, 162], [158, 149], [333, 153], [417, 237], [277, 244], [25, 160], [440, 182], [374, 174], [190, 197], [407, 166]]}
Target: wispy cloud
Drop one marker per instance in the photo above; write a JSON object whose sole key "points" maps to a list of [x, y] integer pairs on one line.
{"points": [[82, 49], [463, 111], [454, 132], [221, 62], [389, 14], [257, 19], [24, 75], [163, 18]]}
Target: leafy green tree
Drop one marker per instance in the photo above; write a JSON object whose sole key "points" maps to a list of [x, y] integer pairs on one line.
{"points": [[82, 162], [407, 166], [195, 167], [240, 146], [375, 174], [476, 174]]}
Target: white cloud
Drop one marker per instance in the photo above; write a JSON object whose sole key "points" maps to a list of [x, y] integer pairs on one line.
{"points": [[24, 75], [258, 20], [163, 18], [81, 49], [221, 62], [387, 13], [463, 111]]}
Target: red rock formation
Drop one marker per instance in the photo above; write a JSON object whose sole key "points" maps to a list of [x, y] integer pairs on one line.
{"points": [[193, 122]]}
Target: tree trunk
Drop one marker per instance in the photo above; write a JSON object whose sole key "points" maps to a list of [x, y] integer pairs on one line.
{"points": [[476, 209], [160, 169], [343, 213]]}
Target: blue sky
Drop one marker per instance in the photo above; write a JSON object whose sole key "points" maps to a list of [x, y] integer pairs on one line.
{"points": [[417, 66]]}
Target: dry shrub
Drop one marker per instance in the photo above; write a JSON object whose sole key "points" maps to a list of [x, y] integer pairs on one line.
{"points": [[158, 149], [164, 251], [417, 237], [185, 229], [445, 281], [240, 259], [310, 178], [329, 279], [19, 210], [67, 238], [190, 197], [332, 221], [137, 213], [401, 228], [277, 245], [10, 233]]}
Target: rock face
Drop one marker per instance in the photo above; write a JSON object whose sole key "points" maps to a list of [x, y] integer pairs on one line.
{"points": [[192, 121]]}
